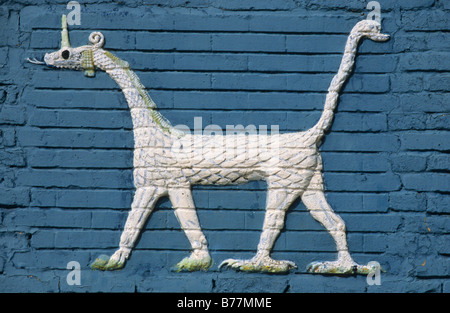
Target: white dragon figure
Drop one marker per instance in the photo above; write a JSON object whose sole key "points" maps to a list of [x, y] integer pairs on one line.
{"points": [[167, 161]]}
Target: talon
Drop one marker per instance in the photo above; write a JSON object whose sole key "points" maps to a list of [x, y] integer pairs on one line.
{"points": [[192, 264], [262, 265], [337, 267]]}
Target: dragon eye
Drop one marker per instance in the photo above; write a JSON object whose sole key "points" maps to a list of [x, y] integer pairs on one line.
{"points": [[65, 54]]}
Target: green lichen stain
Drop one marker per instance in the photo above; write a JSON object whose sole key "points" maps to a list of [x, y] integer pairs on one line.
{"points": [[192, 265], [100, 262]]}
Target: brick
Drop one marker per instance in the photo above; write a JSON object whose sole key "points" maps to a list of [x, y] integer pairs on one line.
{"points": [[151, 41], [424, 141], [94, 199], [12, 115], [407, 121], [246, 118], [438, 121], [356, 202], [361, 182], [368, 223], [444, 246], [80, 158], [81, 119], [408, 201], [376, 64], [408, 163], [249, 81], [7, 137], [10, 21], [14, 240], [436, 266], [282, 22], [73, 239], [49, 218], [296, 82], [77, 178], [293, 63], [71, 79], [46, 39], [148, 60], [424, 20], [437, 82], [424, 61], [260, 5], [374, 243], [359, 122], [3, 56], [107, 219], [316, 43], [223, 220], [210, 62], [174, 284], [202, 21], [248, 42], [372, 83], [355, 162], [434, 224], [229, 284], [404, 83], [163, 239], [44, 282], [43, 198], [424, 102], [237, 199], [176, 80], [417, 41], [438, 203], [12, 157], [426, 182], [29, 137], [61, 99], [405, 4], [438, 162], [49, 259], [236, 99], [298, 121], [82, 198], [361, 142], [14, 197], [361, 102]]}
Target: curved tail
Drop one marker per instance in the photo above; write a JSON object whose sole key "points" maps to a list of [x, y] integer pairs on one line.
{"points": [[366, 28]]}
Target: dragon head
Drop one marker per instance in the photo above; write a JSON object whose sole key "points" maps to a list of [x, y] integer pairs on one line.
{"points": [[79, 58]]}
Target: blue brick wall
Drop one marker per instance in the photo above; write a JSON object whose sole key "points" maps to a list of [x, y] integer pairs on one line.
{"points": [[66, 142]]}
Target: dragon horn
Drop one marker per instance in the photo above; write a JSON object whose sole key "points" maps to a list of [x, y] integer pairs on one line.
{"points": [[64, 33]]}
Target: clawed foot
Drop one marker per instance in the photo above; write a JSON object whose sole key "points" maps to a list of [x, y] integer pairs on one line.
{"points": [[259, 264], [342, 268], [106, 263], [195, 262]]}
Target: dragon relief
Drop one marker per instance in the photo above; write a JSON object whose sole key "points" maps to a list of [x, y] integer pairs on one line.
{"points": [[168, 161]]}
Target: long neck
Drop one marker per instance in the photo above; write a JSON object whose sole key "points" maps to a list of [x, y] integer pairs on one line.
{"points": [[143, 110], [344, 72]]}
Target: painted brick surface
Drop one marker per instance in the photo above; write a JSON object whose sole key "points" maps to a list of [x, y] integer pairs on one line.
{"points": [[66, 142]]}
